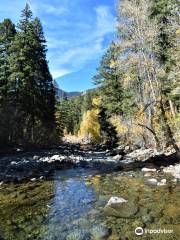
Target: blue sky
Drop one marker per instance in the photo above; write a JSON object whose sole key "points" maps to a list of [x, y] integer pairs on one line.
{"points": [[77, 33]]}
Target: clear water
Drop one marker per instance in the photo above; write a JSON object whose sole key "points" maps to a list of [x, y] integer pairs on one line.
{"points": [[71, 207]]}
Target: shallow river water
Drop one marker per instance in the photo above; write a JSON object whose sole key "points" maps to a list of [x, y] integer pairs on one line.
{"points": [[71, 207]]}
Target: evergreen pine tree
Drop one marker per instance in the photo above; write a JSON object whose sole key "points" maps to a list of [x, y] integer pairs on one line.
{"points": [[32, 81], [108, 79], [7, 33]]}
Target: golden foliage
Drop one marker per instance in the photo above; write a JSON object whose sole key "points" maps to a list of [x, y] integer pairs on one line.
{"points": [[96, 102], [156, 123], [127, 80], [139, 120], [174, 123], [113, 63], [65, 132], [121, 127], [90, 127]]}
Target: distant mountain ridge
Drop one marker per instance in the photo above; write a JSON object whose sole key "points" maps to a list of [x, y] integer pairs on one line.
{"points": [[60, 94], [79, 80]]}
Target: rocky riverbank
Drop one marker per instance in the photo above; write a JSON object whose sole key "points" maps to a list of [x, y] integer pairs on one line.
{"points": [[24, 166]]}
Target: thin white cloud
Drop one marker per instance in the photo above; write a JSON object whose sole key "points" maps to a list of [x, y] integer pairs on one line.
{"points": [[74, 35], [52, 9], [59, 72], [80, 55], [90, 45], [105, 20], [54, 43]]}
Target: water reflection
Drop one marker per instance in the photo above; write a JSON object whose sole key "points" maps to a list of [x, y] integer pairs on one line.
{"points": [[72, 201]]}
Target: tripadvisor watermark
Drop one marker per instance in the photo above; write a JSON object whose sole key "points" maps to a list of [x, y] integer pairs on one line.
{"points": [[139, 231]]}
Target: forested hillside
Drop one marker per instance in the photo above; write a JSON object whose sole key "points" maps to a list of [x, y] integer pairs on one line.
{"points": [[137, 95], [138, 86], [27, 100]]}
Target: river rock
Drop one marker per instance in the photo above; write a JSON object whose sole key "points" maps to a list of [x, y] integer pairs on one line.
{"points": [[55, 158], [148, 170], [33, 179], [174, 180], [173, 170], [13, 163], [127, 149], [78, 235], [100, 232], [44, 159], [116, 200], [162, 182], [147, 174], [19, 149], [142, 154], [147, 219], [117, 157], [152, 181], [120, 207], [127, 161]]}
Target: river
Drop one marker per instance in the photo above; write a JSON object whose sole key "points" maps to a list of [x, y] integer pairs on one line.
{"points": [[70, 206]]}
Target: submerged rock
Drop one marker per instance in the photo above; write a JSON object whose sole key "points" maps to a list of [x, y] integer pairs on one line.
{"points": [[78, 235], [116, 200], [120, 207], [100, 233], [147, 219]]}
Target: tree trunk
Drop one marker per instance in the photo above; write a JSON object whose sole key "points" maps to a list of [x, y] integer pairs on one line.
{"points": [[172, 108], [153, 132], [32, 129], [167, 130]]}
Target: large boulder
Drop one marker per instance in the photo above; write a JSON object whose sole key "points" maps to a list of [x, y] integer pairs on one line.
{"points": [[142, 154], [116, 200], [120, 207]]}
